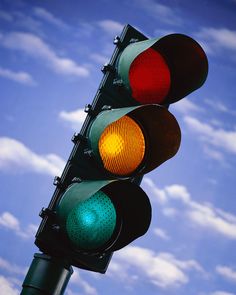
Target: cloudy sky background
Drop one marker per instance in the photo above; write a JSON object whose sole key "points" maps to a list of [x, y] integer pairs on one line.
{"points": [[51, 55]]}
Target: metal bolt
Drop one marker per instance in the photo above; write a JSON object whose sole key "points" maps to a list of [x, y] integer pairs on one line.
{"points": [[57, 181], [117, 41]]}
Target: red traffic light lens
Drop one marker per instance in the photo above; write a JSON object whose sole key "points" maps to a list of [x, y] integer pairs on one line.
{"points": [[149, 77]]}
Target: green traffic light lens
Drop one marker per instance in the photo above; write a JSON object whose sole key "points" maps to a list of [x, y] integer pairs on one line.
{"points": [[92, 222]]}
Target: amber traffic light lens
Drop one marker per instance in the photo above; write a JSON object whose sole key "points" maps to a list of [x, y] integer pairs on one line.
{"points": [[122, 146]]}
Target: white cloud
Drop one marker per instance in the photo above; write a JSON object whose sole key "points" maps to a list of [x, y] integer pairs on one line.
{"points": [[161, 234], [226, 272], [185, 106], [219, 106], [118, 270], [218, 38], [49, 17], [182, 264], [6, 16], [158, 33], [78, 280], [25, 21], [70, 292], [7, 287], [10, 222], [179, 192], [11, 268], [214, 154], [20, 77], [16, 157], [170, 211], [158, 194], [207, 217], [221, 293], [37, 48], [101, 59], [159, 11], [204, 215], [226, 215], [75, 118], [160, 269], [111, 27], [218, 137], [28, 232]]}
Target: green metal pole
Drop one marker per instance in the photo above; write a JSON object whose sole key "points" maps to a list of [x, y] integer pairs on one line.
{"points": [[46, 276]]}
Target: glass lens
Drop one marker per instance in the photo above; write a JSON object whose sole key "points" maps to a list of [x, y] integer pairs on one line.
{"points": [[122, 146], [149, 77], [92, 222]]}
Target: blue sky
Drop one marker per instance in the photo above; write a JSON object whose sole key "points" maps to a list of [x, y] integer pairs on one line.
{"points": [[51, 55]]}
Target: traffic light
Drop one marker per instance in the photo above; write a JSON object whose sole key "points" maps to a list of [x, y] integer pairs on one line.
{"points": [[96, 215], [124, 141], [163, 70], [106, 215], [98, 206]]}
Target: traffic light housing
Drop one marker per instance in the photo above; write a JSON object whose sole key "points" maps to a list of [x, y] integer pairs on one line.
{"points": [[163, 70], [124, 140], [96, 215], [98, 206]]}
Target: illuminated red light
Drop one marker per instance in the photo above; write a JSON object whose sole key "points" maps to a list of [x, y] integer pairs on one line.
{"points": [[149, 77]]}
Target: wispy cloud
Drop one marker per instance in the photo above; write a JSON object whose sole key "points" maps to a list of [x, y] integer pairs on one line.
{"points": [[16, 157], [186, 106], [204, 215], [6, 16], [20, 77], [161, 234], [10, 222], [19, 19], [217, 137], [7, 286], [221, 293], [226, 272], [101, 59], [214, 154], [158, 194], [160, 269], [111, 27], [36, 47], [49, 17], [215, 40], [33, 22], [216, 140], [209, 218], [78, 280], [219, 106], [170, 211], [159, 11], [11, 268], [75, 118]]}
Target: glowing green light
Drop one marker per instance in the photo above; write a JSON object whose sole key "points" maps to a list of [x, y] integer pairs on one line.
{"points": [[92, 222]]}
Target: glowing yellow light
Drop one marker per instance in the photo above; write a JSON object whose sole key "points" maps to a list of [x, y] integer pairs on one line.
{"points": [[122, 146], [114, 141]]}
